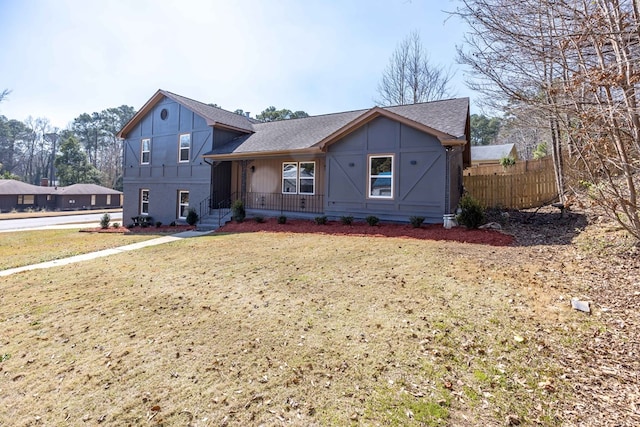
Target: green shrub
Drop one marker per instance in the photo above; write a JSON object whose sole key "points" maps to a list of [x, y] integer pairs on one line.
{"points": [[320, 220], [472, 215], [507, 161], [372, 220], [238, 213], [282, 219], [104, 221], [416, 221], [158, 224], [116, 225], [259, 219], [346, 220], [192, 217]]}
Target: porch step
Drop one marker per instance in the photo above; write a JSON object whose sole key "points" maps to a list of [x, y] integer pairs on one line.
{"points": [[211, 222]]}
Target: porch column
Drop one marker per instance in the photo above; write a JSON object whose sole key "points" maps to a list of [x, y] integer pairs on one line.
{"points": [[243, 180]]}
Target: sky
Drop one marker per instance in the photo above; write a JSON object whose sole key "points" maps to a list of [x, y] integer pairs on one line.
{"points": [[62, 58]]}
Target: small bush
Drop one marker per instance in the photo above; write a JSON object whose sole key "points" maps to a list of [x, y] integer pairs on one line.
{"points": [[116, 225], [346, 220], [158, 224], [259, 219], [192, 217], [104, 221], [238, 213], [320, 220], [372, 220], [507, 162], [416, 221], [282, 219], [472, 215]]}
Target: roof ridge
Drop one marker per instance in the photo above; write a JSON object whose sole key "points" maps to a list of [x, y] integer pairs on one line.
{"points": [[200, 102]]}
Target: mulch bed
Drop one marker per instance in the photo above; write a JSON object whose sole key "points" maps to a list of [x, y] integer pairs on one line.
{"points": [[425, 232]]}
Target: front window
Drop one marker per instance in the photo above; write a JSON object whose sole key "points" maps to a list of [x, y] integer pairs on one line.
{"points": [[145, 151], [381, 177], [93, 200], [27, 199], [299, 178], [183, 204], [185, 147], [144, 202], [108, 199]]}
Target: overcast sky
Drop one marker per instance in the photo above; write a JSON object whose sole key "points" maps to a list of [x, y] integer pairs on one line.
{"points": [[62, 58]]}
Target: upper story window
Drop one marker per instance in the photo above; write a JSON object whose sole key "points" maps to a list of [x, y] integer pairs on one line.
{"points": [[185, 147], [145, 151], [299, 178], [380, 178]]}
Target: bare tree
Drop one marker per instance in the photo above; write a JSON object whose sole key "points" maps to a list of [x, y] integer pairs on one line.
{"points": [[410, 78], [578, 64], [4, 94]]}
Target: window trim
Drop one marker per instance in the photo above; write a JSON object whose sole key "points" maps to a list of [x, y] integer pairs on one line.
{"points": [[371, 177], [143, 151], [23, 199], [180, 204], [180, 149], [143, 202], [298, 178]]}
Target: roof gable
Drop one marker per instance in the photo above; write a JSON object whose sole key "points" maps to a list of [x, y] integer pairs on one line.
{"points": [[446, 120], [213, 116]]}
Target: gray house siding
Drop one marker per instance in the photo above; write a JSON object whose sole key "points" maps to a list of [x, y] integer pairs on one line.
{"points": [[419, 181], [165, 176]]}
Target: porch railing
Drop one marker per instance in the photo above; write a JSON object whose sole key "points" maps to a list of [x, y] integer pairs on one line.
{"points": [[300, 203]]}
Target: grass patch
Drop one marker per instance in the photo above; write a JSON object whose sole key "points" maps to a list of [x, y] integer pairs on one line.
{"points": [[21, 248], [237, 329]]}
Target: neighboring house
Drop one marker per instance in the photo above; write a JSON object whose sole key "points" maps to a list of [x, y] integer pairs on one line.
{"points": [[391, 162], [21, 196], [491, 154]]}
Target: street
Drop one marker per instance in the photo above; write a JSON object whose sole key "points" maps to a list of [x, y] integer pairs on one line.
{"points": [[68, 221]]}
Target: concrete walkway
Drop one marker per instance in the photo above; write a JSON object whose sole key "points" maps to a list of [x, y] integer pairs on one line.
{"points": [[105, 252]]}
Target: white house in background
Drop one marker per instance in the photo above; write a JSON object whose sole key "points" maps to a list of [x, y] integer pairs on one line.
{"points": [[491, 154]]}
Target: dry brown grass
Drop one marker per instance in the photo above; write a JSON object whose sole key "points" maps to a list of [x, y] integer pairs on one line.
{"points": [[284, 329], [21, 248]]}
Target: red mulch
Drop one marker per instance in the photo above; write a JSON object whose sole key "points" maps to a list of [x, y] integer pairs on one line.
{"points": [[426, 231]]}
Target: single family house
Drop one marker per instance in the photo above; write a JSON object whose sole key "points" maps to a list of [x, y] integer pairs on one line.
{"points": [[491, 154], [17, 195], [391, 162]]}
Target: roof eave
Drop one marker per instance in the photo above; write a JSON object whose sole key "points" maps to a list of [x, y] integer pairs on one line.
{"points": [[263, 154], [141, 113], [219, 125]]}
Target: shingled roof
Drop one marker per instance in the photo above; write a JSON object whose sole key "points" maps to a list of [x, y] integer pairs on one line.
{"points": [[11, 187], [445, 119], [214, 116]]}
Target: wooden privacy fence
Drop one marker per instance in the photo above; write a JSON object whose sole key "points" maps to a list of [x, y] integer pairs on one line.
{"points": [[530, 188]]}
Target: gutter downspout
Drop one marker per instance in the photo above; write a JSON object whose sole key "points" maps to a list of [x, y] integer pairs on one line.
{"points": [[447, 181]]}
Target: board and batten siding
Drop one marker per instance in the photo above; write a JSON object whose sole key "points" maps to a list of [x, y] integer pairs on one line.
{"points": [[419, 173], [165, 176], [266, 176]]}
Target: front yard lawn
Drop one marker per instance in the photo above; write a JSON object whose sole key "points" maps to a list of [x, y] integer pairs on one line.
{"points": [[298, 329], [19, 248]]}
